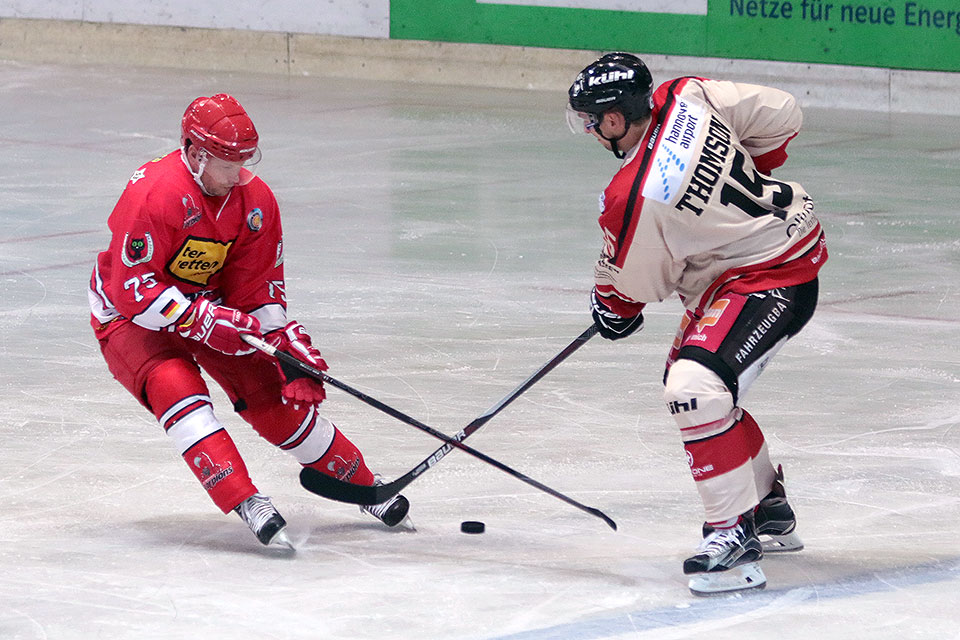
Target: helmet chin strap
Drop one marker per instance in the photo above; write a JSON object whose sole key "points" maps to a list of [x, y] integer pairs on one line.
{"points": [[202, 159], [613, 142]]}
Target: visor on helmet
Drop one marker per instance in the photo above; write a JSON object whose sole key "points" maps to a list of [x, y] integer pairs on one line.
{"points": [[581, 121], [244, 170]]}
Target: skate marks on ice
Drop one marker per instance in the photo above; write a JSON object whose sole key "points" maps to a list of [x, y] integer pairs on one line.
{"points": [[204, 533], [699, 616]]}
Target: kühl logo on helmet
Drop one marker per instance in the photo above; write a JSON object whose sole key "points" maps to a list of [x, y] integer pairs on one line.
{"points": [[610, 76]]}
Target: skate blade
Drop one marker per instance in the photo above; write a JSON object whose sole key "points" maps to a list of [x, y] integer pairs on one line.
{"points": [[746, 576], [405, 525], [281, 539], [782, 544]]}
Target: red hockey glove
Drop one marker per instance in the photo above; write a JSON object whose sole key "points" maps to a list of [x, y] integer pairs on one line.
{"points": [[298, 387], [611, 325], [219, 327]]}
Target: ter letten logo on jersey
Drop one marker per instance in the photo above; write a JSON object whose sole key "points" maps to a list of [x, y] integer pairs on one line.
{"points": [[198, 259]]}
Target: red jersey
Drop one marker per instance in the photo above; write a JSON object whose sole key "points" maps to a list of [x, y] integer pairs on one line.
{"points": [[693, 211], [171, 243]]}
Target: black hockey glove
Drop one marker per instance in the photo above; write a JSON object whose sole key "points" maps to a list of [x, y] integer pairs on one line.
{"points": [[610, 325]]}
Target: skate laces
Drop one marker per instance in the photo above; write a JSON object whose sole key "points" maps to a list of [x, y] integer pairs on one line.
{"points": [[720, 540], [382, 511], [378, 510], [256, 511]]}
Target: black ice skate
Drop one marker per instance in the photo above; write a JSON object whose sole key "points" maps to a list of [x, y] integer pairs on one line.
{"points": [[263, 519], [775, 520], [392, 512], [727, 560]]}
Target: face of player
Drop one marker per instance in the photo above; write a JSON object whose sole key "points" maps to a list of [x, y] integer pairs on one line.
{"points": [[613, 131], [218, 176], [612, 125], [607, 126], [596, 134]]}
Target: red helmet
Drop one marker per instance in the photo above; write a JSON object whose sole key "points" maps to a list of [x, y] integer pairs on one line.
{"points": [[221, 126]]}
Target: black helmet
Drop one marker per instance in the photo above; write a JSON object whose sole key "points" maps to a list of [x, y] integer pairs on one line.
{"points": [[615, 80]]}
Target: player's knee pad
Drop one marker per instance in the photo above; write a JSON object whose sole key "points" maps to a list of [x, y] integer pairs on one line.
{"points": [[303, 432], [698, 400], [170, 382], [179, 397], [312, 438]]}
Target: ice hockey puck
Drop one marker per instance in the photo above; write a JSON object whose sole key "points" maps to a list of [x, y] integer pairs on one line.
{"points": [[472, 526]]}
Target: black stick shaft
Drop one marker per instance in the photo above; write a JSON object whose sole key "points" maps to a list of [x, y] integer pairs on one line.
{"points": [[330, 487], [399, 415]]}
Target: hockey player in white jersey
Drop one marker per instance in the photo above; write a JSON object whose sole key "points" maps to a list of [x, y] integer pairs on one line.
{"points": [[693, 211]]}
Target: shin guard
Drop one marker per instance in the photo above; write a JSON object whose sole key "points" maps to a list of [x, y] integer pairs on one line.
{"points": [[181, 403], [218, 466], [343, 461], [723, 468], [309, 437]]}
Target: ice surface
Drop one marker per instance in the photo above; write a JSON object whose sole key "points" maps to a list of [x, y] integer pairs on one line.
{"points": [[439, 246]]}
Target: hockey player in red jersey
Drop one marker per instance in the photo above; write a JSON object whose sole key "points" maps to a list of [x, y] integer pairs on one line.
{"points": [[196, 261], [693, 210]]}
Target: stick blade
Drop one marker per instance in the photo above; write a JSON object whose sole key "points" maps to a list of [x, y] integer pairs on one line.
{"points": [[323, 485], [604, 517]]}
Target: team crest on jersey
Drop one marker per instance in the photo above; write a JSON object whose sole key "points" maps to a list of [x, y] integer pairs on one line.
{"points": [[255, 219], [136, 250], [191, 212], [198, 259], [137, 175], [675, 151]]}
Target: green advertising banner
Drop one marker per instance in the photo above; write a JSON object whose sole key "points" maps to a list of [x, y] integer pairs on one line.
{"points": [[900, 34]]}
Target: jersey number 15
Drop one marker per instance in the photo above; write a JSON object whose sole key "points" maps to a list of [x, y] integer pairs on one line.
{"points": [[751, 199]]}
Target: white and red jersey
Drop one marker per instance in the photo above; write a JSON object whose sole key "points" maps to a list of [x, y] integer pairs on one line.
{"points": [[171, 244], [693, 209]]}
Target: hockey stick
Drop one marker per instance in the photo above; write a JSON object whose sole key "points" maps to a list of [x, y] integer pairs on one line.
{"points": [[329, 487], [373, 402]]}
